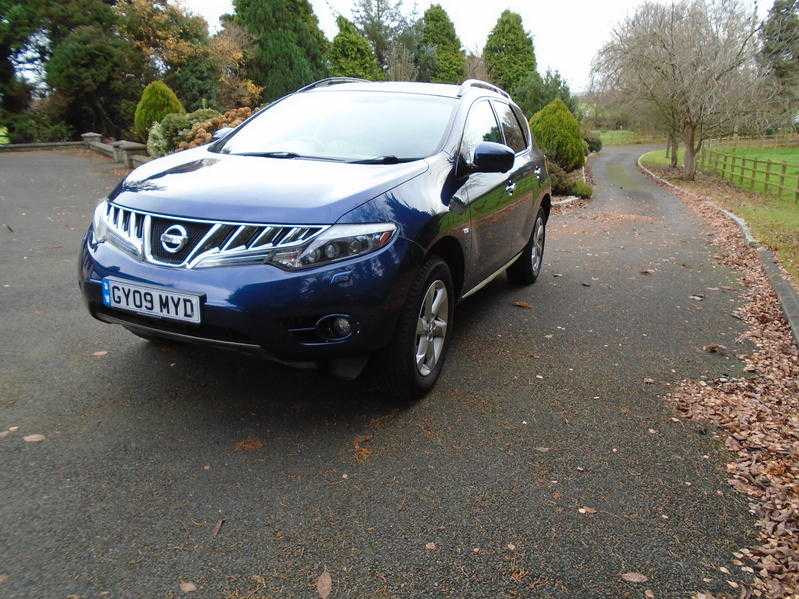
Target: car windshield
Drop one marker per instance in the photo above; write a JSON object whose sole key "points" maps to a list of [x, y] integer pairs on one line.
{"points": [[347, 125]]}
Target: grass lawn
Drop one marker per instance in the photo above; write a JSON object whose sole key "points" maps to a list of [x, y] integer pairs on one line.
{"points": [[623, 137], [787, 154], [3, 135], [774, 222]]}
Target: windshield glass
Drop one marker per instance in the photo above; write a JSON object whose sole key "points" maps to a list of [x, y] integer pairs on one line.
{"points": [[347, 125]]}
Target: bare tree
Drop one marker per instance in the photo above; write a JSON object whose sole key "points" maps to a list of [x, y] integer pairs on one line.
{"points": [[694, 63]]}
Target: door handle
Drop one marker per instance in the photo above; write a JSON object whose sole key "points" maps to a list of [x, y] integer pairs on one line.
{"points": [[510, 187]]}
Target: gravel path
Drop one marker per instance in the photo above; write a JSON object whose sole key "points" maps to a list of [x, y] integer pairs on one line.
{"points": [[544, 462]]}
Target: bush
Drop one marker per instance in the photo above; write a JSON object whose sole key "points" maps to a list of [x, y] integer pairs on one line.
{"points": [[581, 189], [559, 179], [165, 136], [36, 126], [594, 142], [558, 135], [157, 101], [201, 133]]}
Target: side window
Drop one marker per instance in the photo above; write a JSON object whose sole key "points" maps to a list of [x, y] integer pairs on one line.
{"points": [[513, 131], [523, 122], [481, 125]]}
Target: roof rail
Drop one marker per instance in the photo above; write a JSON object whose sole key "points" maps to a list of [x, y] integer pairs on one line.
{"points": [[331, 81], [478, 83]]}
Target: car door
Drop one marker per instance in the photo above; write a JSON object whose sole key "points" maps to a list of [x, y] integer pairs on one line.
{"points": [[485, 192], [523, 184]]}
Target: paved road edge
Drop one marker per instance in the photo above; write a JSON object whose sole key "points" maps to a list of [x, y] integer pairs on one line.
{"points": [[789, 299]]}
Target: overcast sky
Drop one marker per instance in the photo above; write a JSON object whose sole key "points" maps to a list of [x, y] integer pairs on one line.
{"points": [[566, 33]]}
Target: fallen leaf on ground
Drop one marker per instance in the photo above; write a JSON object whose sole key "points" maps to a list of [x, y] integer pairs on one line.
{"points": [[714, 348], [217, 528], [186, 586], [649, 381], [248, 444], [362, 451], [511, 547], [13, 429], [518, 575], [634, 577], [3, 579], [430, 546], [698, 297], [520, 304], [649, 594], [586, 510], [4, 434], [585, 284], [542, 449], [648, 271], [100, 354], [34, 438], [324, 584]]}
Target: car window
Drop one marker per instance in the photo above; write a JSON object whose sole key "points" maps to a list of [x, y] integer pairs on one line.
{"points": [[513, 131], [481, 125], [347, 125], [523, 122]]}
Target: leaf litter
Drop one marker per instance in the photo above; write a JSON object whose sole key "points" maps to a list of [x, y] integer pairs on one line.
{"points": [[760, 415]]}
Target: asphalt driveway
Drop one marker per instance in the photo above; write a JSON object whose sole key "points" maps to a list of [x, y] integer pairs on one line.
{"points": [[542, 464]]}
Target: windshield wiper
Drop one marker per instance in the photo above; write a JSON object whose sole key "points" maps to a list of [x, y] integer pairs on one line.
{"points": [[275, 154], [389, 159]]}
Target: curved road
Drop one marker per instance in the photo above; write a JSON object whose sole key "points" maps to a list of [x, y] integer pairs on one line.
{"points": [[539, 413]]}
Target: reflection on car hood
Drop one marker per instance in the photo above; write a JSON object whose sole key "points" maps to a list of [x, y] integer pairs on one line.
{"points": [[206, 185]]}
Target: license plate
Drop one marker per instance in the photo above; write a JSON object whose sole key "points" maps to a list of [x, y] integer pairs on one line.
{"points": [[152, 301]]}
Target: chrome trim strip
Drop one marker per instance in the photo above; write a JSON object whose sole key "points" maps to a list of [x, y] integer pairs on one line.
{"points": [[490, 278], [173, 335], [220, 222], [128, 240]]}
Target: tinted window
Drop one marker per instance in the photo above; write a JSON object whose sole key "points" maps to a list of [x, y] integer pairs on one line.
{"points": [[481, 125], [348, 125], [523, 122], [513, 132]]}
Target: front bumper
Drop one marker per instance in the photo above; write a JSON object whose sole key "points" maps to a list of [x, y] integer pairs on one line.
{"points": [[262, 306]]}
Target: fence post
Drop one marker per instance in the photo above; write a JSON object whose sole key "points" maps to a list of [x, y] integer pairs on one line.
{"points": [[754, 175], [782, 179], [724, 167], [768, 175]]}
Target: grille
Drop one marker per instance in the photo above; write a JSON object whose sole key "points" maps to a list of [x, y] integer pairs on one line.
{"points": [[195, 231], [209, 243]]}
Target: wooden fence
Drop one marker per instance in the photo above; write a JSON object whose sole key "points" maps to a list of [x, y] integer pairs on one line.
{"points": [[755, 174], [766, 141]]}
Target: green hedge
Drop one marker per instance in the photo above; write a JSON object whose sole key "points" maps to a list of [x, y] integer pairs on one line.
{"points": [[157, 101], [558, 135]]}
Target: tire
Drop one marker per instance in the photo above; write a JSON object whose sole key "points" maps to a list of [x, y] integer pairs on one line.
{"points": [[397, 366], [528, 266]]}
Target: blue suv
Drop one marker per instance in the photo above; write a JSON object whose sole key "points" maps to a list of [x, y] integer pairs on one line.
{"points": [[341, 222]]}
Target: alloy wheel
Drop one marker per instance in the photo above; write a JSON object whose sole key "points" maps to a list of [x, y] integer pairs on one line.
{"points": [[538, 244], [431, 327]]}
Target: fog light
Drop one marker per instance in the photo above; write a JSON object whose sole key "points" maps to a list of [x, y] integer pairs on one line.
{"points": [[341, 327], [335, 327]]}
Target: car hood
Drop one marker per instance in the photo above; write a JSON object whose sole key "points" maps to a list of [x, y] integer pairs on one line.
{"points": [[206, 185]]}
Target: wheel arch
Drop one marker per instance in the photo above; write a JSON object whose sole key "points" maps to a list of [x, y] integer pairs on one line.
{"points": [[450, 251]]}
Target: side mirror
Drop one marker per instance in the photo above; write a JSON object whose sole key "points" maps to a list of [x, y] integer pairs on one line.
{"points": [[490, 157], [220, 133]]}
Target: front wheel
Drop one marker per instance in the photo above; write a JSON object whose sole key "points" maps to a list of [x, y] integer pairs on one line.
{"points": [[527, 267], [412, 362]]}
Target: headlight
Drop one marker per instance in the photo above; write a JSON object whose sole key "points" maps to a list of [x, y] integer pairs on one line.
{"points": [[99, 226], [339, 242]]}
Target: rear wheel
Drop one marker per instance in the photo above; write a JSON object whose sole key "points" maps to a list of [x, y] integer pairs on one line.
{"points": [[413, 360], [527, 267]]}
